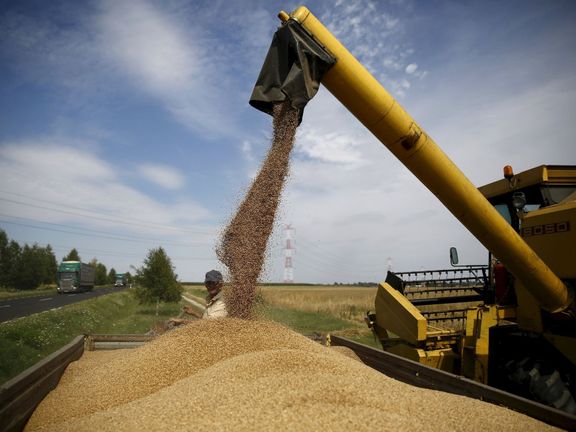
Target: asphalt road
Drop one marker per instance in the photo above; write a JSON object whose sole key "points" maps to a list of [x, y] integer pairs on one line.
{"points": [[21, 307]]}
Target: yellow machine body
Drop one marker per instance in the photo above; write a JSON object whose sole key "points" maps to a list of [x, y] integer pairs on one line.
{"points": [[551, 232], [409, 334], [475, 350], [440, 358], [397, 315]]}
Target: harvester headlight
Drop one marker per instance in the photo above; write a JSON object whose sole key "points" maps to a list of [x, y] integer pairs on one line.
{"points": [[518, 200]]}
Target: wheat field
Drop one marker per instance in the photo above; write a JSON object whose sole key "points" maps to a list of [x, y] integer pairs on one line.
{"points": [[345, 302]]}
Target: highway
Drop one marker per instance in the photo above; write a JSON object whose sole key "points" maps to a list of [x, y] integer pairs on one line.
{"points": [[20, 307]]}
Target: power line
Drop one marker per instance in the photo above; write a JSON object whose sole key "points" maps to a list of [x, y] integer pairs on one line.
{"points": [[136, 240], [125, 222], [94, 231], [120, 254]]}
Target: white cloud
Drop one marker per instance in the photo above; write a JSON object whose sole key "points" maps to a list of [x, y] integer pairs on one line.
{"points": [[149, 46], [67, 176], [375, 36], [165, 176], [411, 68], [169, 60], [329, 147], [45, 160]]}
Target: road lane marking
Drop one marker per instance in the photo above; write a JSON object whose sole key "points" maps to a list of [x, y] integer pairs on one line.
{"points": [[5, 306], [46, 299]]}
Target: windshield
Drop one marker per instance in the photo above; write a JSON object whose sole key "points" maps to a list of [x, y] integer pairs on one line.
{"points": [[556, 194], [67, 275]]}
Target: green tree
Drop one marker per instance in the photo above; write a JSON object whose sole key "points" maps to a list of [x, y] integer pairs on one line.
{"points": [[128, 278], [72, 256], [9, 258], [29, 269], [156, 280], [100, 272], [49, 265], [111, 276], [100, 275]]}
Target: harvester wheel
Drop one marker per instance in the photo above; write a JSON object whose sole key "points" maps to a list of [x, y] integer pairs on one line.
{"points": [[543, 383]]}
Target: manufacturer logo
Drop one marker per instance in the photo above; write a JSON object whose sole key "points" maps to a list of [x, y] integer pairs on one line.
{"points": [[551, 228]]}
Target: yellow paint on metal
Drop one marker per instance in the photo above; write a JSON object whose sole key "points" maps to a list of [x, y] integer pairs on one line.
{"points": [[283, 16], [477, 341], [551, 232], [443, 359], [364, 97], [395, 313], [529, 315], [542, 175]]}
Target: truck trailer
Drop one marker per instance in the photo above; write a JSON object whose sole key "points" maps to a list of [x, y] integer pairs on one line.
{"points": [[75, 276]]}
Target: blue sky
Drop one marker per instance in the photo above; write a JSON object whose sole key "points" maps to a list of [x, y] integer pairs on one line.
{"points": [[125, 125]]}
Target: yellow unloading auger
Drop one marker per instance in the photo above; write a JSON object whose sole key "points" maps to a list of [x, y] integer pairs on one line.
{"points": [[304, 53]]}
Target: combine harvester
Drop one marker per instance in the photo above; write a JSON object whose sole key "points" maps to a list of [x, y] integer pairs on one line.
{"points": [[521, 338]]}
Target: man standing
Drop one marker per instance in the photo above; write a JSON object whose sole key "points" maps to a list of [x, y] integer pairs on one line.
{"points": [[215, 306]]}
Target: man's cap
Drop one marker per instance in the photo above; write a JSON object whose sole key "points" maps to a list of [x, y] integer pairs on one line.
{"points": [[214, 276]]}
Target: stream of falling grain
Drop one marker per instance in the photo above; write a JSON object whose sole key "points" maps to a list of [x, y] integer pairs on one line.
{"points": [[244, 241]]}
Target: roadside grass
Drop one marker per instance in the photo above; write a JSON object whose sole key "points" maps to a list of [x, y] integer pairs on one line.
{"points": [[195, 291], [25, 341], [10, 293]]}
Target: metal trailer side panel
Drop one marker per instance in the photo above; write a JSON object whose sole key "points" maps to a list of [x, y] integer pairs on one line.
{"points": [[87, 276], [420, 375], [20, 396]]}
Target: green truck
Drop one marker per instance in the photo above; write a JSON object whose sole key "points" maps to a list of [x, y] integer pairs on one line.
{"points": [[75, 276], [121, 279]]}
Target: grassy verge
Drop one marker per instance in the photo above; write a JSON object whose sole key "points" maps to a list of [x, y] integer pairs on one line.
{"points": [[195, 291], [7, 294], [25, 341], [318, 323]]}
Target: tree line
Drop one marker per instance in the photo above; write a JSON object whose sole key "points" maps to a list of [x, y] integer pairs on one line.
{"points": [[28, 267], [25, 267]]}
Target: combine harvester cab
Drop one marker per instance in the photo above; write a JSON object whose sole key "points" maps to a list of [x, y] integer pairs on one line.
{"points": [[518, 345]]}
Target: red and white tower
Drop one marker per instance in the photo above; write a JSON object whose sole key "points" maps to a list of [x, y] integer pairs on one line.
{"points": [[288, 249]]}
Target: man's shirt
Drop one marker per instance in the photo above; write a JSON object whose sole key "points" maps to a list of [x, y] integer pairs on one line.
{"points": [[215, 308]]}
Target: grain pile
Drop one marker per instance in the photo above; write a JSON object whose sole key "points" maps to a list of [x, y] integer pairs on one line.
{"points": [[240, 375], [244, 241], [138, 372]]}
